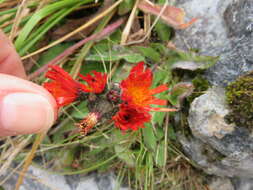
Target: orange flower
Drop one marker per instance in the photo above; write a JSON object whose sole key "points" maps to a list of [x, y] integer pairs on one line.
{"points": [[95, 84], [130, 118], [137, 96], [136, 89], [66, 90]]}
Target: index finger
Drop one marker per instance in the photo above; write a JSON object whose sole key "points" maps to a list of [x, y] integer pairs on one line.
{"points": [[10, 62]]}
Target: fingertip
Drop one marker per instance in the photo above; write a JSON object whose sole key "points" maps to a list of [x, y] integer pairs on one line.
{"points": [[25, 113]]}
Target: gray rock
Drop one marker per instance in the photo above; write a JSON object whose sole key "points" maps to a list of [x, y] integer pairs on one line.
{"points": [[206, 115], [38, 179], [243, 183], [224, 29], [218, 148], [221, 184], [209, 32]]}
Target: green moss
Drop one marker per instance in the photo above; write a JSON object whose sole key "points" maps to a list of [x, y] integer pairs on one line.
{"points": [[200, 86], [239, 96]]}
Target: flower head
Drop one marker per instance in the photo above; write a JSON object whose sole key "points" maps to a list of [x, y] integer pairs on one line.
{"points": [[137, 98], [63, 87], [130, 118], [136, 89], [88, 122], [66, 90], [95, 83]]}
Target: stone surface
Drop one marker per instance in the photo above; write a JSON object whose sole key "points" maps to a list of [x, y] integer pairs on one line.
{"points": [[206, 115], [38, 179], [243, 183], [224, 29], [230, 148], [221, 184]]}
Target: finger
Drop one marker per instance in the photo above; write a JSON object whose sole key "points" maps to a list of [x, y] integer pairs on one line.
{"points": [[10, 62], [24, 107]]}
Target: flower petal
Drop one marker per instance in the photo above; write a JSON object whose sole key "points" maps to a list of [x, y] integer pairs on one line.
{"points": [[95, 83], [136, 88], [63, 87], [164, 109], [129, 118], [157, 101], [159, 89]]}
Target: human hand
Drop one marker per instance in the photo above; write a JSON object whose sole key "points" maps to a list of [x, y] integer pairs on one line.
{"points": [[25, 107]]}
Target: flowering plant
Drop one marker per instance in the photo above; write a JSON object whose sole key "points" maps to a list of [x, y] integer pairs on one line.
{"points": [[128, 104]]}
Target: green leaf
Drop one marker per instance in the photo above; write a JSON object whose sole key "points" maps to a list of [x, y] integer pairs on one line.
{"points": [[149, 137], [122, 72], [63, 8], [159, 133], [116, 56], [125, 155], [125, 7], [80, 111], [160, 48], [179, 92], [122, 148], [191, 65], [160, 154], [149, 53], [66, 126], [91, 66], [192, 61], [101, 47], [115, 37], [163, 31], [52, 53], [8, 11], [158, 117], [124, 138], [134, 58], [66, 157], [160, 77]]}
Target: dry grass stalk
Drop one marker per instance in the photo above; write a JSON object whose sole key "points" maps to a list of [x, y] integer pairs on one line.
{"points": [[151, 28], [129, 24], [86, 25], [7, 5], [22, 11], [29, 158], [13, 153], [147, 24]]}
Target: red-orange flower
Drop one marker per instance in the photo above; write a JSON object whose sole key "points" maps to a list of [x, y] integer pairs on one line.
{"points": [[95, 84], [136, 89], [137, 96], [66, 90], [130, 118], [63, 87]]}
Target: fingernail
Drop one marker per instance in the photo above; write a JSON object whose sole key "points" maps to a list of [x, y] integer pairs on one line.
{"points": [[23, 113]]}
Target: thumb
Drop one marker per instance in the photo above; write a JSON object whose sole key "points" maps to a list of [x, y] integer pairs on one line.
{"points": [[24, 107]]}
